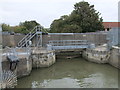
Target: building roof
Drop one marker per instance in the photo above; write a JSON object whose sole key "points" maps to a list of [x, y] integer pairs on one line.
{"points": [[111, 24]]}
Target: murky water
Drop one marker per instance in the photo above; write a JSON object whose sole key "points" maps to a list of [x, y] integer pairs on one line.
{"points": [[75, 73]]}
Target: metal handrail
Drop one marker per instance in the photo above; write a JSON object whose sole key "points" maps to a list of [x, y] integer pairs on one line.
{"points": [[68, 42], [27, 36], [36, 31], [26, 40]]}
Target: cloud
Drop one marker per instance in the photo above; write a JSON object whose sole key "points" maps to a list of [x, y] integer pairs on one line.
{"points": [[45, 11]]}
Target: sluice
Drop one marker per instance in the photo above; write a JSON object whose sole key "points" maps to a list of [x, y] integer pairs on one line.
{"points": [[9, 80]]}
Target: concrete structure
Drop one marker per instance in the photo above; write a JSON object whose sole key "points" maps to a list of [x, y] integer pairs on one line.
{"points": [[24, 60], [115, 57], [42, 52], [34, 58], [97, 38], [113, 37], [11, 40], [98, 54], [102, 55], [42, 57]]}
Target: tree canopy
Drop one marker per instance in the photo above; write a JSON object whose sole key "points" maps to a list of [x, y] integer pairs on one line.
{"points": [[29, 24], [23, 27], [84, 18]]}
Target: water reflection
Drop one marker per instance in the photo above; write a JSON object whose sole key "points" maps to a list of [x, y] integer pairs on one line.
{"points": [[75, 73]]}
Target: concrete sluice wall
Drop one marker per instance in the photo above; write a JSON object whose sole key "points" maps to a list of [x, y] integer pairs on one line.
{"points": [[27, 61], [96, 56], [24, 66], [38, 57], [111, 57], [12, 71], [97, 38], [114, 59], [42, 58]]}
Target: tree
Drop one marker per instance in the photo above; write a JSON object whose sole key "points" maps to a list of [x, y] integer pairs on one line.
{"points": [[84, 18], [29, 24], [6, 27], [20, 29], [89, 19], [56, 26], [23, 27]]}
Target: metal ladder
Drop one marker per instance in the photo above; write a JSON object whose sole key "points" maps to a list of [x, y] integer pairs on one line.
{"points": [[36, 31]]}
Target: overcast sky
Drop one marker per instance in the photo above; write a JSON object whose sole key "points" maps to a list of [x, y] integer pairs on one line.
{"points": [[45, 11]]}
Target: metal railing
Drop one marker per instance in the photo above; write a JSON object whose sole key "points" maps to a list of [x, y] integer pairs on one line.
{"points": [[36, 31], [27, 38], [67, 44]]}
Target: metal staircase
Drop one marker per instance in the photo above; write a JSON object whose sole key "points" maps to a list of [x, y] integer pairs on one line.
{"points": [[37, 31]]}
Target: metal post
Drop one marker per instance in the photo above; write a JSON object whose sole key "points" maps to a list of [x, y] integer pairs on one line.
{"points": [[0, 56], [41, 39], [36, 36]]}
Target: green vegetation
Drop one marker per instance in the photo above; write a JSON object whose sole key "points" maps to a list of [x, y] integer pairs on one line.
{"points": [[84, 18], [23, 27]]}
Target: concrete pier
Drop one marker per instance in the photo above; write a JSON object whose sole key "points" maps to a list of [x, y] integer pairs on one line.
{"points": [[24, 66], [42, 57], [115, 57], [101, 55], [36, 57], [98, 54]]}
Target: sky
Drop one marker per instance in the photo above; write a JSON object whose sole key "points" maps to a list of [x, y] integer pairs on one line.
{"points": [[13, 12]]}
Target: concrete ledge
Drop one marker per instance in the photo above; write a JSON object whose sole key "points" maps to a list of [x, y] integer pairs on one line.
{"points": [[115, 57]]}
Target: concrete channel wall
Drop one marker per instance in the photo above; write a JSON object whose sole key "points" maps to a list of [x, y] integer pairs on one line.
{"points": [[96, 56], [115, 57], [24, 66], [11, 40], [34, 59], [43, 58], [111, 57], [97, 38]]}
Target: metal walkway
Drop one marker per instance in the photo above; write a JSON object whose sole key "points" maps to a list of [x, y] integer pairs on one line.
{"points": [[67, 44], [52, 44], [37, 31]]}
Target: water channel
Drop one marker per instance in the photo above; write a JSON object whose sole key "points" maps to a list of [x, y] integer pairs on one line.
{"points": [[72, 73]]}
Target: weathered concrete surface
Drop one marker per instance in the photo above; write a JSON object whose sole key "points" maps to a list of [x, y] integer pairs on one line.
{"points": [[101, 55], [11, 40], [97, 38], [69, 54], [98, 54], [42, 57], [24, 65], [115, 57]]}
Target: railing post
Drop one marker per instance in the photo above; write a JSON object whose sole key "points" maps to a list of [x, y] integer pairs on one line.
{"points": [[1, 57]]}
